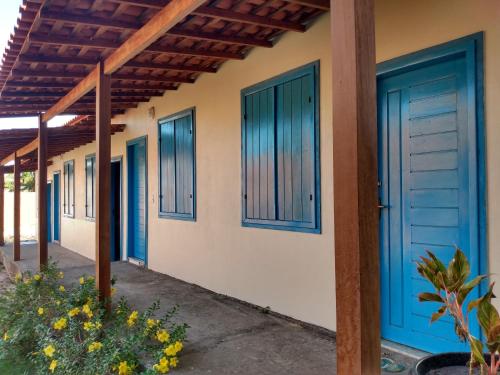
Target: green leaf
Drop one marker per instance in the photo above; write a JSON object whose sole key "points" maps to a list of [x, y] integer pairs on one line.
{"points": [[438, 314], [430, 297], [468, 287], [458, 271], [477, 351], [487, 315]]}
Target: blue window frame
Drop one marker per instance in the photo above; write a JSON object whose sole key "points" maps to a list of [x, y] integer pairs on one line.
{"points": [[280, 152], [90, 186], [176, 149], [69, 188]]}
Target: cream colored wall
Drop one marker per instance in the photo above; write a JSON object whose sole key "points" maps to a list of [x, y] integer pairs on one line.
{"points": [[293, 273]]}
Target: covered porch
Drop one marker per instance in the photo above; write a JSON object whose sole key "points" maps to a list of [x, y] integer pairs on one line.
{"points": [[227, 336]]}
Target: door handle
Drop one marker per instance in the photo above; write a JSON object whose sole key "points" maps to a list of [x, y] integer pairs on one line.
{"points": [[380, 206]]}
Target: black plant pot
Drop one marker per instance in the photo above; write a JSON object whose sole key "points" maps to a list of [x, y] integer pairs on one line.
{"points": [[444, 364]]}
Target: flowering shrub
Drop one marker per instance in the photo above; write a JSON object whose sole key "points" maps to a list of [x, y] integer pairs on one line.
{"points": [[69, 332]]}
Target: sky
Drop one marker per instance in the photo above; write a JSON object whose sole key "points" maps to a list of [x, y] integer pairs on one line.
{"points": [[9, 12]]}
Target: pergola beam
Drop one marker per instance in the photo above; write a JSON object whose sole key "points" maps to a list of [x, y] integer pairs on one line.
{"points": [[2, 206], [164, 20], [42, 193], [17, 209], [355, 185]]}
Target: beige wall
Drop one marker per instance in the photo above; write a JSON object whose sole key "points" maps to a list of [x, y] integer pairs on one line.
{"points": [[293, 273]]}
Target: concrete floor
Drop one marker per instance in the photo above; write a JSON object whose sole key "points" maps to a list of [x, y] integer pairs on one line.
{"points": [[226, 336]]}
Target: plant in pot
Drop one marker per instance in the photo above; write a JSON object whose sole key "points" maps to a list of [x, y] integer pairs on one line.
{"points": [[452, 286]]}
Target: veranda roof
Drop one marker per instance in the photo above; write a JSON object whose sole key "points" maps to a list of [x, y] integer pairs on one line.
{"points": [[57, 43]]}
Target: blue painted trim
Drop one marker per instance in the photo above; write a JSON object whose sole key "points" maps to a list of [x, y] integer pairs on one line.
{"points": [[119, 159], [472, 47], [172, 215], [87, 157], [146, 208], [58, 172], [272, 82], [68, 162]]}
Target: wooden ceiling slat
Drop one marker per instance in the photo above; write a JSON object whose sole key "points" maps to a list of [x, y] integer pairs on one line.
{"points": [[108, 44], [29, 94], [114, 86], [63, 60]]}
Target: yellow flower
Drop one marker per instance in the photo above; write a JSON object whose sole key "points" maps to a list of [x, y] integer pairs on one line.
{"points": [[18, 277], [73, 312], [49, 351], [53, 365], [162, 366], [37, 277], [87, 326], [86, 310], [6, 336], [98, 325], [124, 368], [132, 319], [61, 324], [96, 345], [174, 362], [90, 278], [113, 291], [61, 275], [82, 280], [151, 323], [162, 335], [58, 302], [173, 349], [62, 288], [40, 311]]}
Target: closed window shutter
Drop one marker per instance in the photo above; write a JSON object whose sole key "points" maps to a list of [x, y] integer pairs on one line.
{"points": [[183, 165], [260, 155], [167, 163]]}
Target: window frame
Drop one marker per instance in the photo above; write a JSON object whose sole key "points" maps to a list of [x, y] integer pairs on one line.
{"points": [[292, 226], [69, 213], [93, 203], [173, 215]]}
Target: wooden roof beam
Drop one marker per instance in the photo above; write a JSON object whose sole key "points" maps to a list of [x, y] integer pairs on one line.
{"points": [[164, 20], [28, 94], [108, 44], [43, 73], [64, 85], [63, 60], [106, 22]]}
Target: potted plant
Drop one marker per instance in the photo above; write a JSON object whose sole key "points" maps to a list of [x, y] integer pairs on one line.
{"points": [[452, 285]]}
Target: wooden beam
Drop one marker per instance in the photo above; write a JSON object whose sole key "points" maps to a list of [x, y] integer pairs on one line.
{"points": [[164, 20], [17, 209], [318, 4], [355, 187], [156, 4], [108, 44], [106, 22], [2, 206], [117, 93], [42, 194], [103, 185], [62, 60]]}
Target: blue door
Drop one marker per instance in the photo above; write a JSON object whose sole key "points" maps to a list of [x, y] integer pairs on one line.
{"points": [[56, 213], [137, 199], [429, 187], [115, 211], [49, 212]]}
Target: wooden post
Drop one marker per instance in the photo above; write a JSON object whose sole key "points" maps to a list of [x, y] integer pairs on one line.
{"points": [[355, 187], [103, 173], [42, 193], [17, 209], [2, 206]]}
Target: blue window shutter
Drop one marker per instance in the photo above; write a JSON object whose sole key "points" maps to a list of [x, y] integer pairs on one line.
{"points": [[177, 166], [167, 163], [280, 152]]}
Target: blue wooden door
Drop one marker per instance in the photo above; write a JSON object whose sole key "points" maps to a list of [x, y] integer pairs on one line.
{"points": [[137, 199], [428, 182], [56, 212], [49, 212]]}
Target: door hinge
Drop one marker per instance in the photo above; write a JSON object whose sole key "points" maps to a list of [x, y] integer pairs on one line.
{"points": [[245, 196], [310, 197], [310, 99]]}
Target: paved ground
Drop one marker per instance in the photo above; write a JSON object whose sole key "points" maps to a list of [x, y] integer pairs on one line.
{"points": [[226, 336]]}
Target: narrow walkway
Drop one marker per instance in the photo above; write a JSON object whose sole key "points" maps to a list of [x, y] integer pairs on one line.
{"points": [[226, 336]]}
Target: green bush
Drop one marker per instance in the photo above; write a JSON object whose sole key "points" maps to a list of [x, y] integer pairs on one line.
{"points": [[69, 331]]}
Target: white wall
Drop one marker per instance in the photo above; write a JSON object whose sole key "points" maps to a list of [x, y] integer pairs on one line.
{"points": [[28, 215]]}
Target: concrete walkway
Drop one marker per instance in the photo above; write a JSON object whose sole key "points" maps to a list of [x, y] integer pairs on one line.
{"points": [[226, 336]]}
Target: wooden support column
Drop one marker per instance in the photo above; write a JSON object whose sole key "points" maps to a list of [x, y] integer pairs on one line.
{"points": [[17, 209], [2, 206], [355, 187], [103, 173], [42, 193]]}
